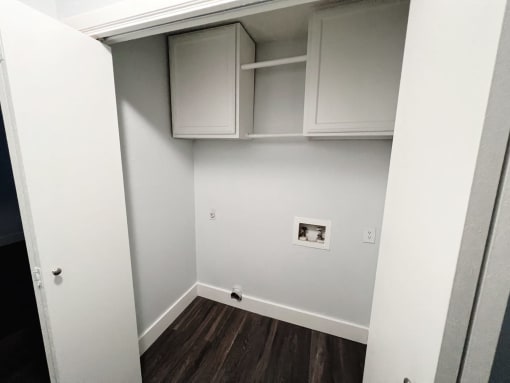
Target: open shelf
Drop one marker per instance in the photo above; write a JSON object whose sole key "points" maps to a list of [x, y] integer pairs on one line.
{"points": [[271, 63]]}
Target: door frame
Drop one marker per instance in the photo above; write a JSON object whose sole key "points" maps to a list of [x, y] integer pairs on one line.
{"points": [[24, 207], [482, 206], [492, 294]]}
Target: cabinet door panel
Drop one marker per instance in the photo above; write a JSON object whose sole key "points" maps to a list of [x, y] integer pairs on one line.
{"points": [[202, 82], [353, 75]]}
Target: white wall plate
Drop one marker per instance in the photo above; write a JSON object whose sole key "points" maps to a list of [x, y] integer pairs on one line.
{"points": [[311, 232]]}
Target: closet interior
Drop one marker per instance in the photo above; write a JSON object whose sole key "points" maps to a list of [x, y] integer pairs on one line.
{"points": [[232, 130], [202, 186]]}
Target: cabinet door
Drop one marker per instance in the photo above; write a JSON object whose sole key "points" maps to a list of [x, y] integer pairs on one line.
{"points": [[58, 100], [353, 69], [203, 82]]}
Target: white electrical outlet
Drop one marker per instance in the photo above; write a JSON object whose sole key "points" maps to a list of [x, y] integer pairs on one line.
{"points": [[369, 235], [212, 214]]}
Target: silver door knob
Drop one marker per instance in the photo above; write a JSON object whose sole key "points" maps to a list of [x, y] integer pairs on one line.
{"points": [[407, 380], [56, 271]]}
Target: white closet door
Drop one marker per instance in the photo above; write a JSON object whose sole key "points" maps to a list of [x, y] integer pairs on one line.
{"points": [[435, 184], [57, 95]]}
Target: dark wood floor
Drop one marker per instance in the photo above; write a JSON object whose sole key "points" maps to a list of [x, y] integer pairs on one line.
{"points": [[22, 357], [212, 342]]}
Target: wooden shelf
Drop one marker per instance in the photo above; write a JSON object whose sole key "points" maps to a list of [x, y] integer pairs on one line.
{"points": [[271, 63]]}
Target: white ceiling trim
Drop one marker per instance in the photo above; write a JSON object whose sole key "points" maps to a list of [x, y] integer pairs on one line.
{"points": [[129, 16]]}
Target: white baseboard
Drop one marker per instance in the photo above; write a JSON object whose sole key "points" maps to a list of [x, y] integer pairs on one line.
{"points": [[259, 306], [149, 336], [333, 326]]}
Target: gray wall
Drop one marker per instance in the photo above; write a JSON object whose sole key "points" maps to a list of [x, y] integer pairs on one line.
{"points": [[258, 187], [158, 177]]}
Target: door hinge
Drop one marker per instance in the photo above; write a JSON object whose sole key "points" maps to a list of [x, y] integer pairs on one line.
{"points": [[36, 274]]}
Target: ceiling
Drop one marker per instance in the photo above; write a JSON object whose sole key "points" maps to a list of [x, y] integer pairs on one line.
{"points": [[283, 24]]}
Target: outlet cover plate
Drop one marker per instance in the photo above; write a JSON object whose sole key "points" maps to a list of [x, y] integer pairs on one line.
{"points": [[369, 235]]}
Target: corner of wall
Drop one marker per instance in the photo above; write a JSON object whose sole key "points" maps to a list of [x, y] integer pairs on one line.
{"points": [[149, 336]]}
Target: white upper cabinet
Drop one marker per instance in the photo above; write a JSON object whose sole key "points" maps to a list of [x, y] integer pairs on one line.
{"points": [[353, 70], [211, 97]]}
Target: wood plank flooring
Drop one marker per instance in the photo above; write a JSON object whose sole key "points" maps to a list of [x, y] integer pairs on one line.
{"points": [[212, 342]]}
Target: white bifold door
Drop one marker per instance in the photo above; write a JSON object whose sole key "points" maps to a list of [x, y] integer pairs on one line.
{"points": [[58, 100]]}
